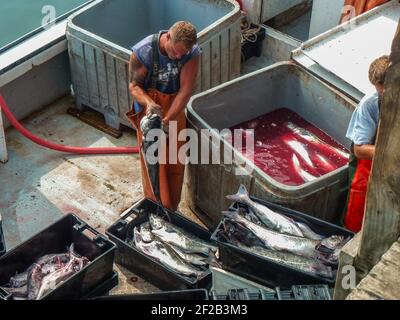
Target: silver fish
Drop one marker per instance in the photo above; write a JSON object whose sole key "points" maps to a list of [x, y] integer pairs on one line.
{"points": [[328, 166], [304, 174], [310, 137], [159, 251], [300, 149], [192, 258], [308, 233], [295, 261], [269, 218], [173, 235], [147, 124], [281, 242]]}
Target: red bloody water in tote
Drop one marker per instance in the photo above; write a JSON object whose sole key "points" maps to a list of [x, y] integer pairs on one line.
{"points": [[290, 149]]}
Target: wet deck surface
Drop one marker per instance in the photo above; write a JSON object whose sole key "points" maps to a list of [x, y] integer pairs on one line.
{"points": [[38, 186]]}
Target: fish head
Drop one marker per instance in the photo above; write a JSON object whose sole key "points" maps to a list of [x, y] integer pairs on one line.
{"points": [[145, 232], [150, 122], [156, 222], [332, 243]]}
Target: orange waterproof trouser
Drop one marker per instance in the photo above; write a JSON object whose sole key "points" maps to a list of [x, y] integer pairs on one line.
{"points": [[357, 196], [171, 175]]}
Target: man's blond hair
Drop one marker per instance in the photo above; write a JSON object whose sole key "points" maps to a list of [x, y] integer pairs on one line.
{"points": [[185, 32], [378, 69]]}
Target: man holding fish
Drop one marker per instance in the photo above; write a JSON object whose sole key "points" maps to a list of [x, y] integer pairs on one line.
{"points": [[163, 69]]}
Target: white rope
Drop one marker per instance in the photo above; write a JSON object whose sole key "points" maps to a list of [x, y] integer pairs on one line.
{"points": [[249, 33]]}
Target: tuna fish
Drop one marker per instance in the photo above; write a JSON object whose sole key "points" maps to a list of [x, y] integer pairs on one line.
{"points": [[269, 218]]}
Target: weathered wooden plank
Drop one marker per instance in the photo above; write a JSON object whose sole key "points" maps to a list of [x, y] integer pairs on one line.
{"points": [[78, 68], [359, 294], [383, 282], [123, 91], [346, 258], [215, 61], [102, 78], [91, 74], [225, 55], [206, 67], [235, 50], [381, 225]]}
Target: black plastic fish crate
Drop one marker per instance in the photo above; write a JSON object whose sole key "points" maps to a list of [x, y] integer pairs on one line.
{"points": [[104, 288], [268, 272], [56, 239], [148, 268], [191, 295], [2, 241], [307, 292]]}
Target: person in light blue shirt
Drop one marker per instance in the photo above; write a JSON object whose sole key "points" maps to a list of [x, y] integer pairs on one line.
{"points": [[364, 125], [362, 132]]}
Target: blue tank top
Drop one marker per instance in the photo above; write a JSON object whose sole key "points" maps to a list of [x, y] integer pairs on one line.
{"points": [[168, 79]]}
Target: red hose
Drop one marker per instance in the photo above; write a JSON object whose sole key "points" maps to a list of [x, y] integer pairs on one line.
{"points": [[59, 147]]}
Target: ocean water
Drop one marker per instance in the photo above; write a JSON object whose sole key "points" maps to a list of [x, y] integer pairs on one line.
{"points": [[19, 17]]}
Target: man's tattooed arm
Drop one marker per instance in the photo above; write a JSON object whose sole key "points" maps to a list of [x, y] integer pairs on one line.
{"points": [[137, 71], [137, 76]]}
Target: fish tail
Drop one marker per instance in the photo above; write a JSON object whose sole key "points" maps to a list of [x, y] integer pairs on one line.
{"points": [[241, 196], [212, 260]]}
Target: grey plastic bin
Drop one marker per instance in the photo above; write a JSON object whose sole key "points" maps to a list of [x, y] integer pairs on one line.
{"points": [[280, 85], [101, 35]]}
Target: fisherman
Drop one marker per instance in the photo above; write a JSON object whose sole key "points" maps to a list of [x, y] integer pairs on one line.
{"points": [[163, 70], [362, 132]]}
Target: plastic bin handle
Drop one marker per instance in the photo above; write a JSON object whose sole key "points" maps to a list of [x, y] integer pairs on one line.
{"points": [[135, 211], [82, 226]]}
